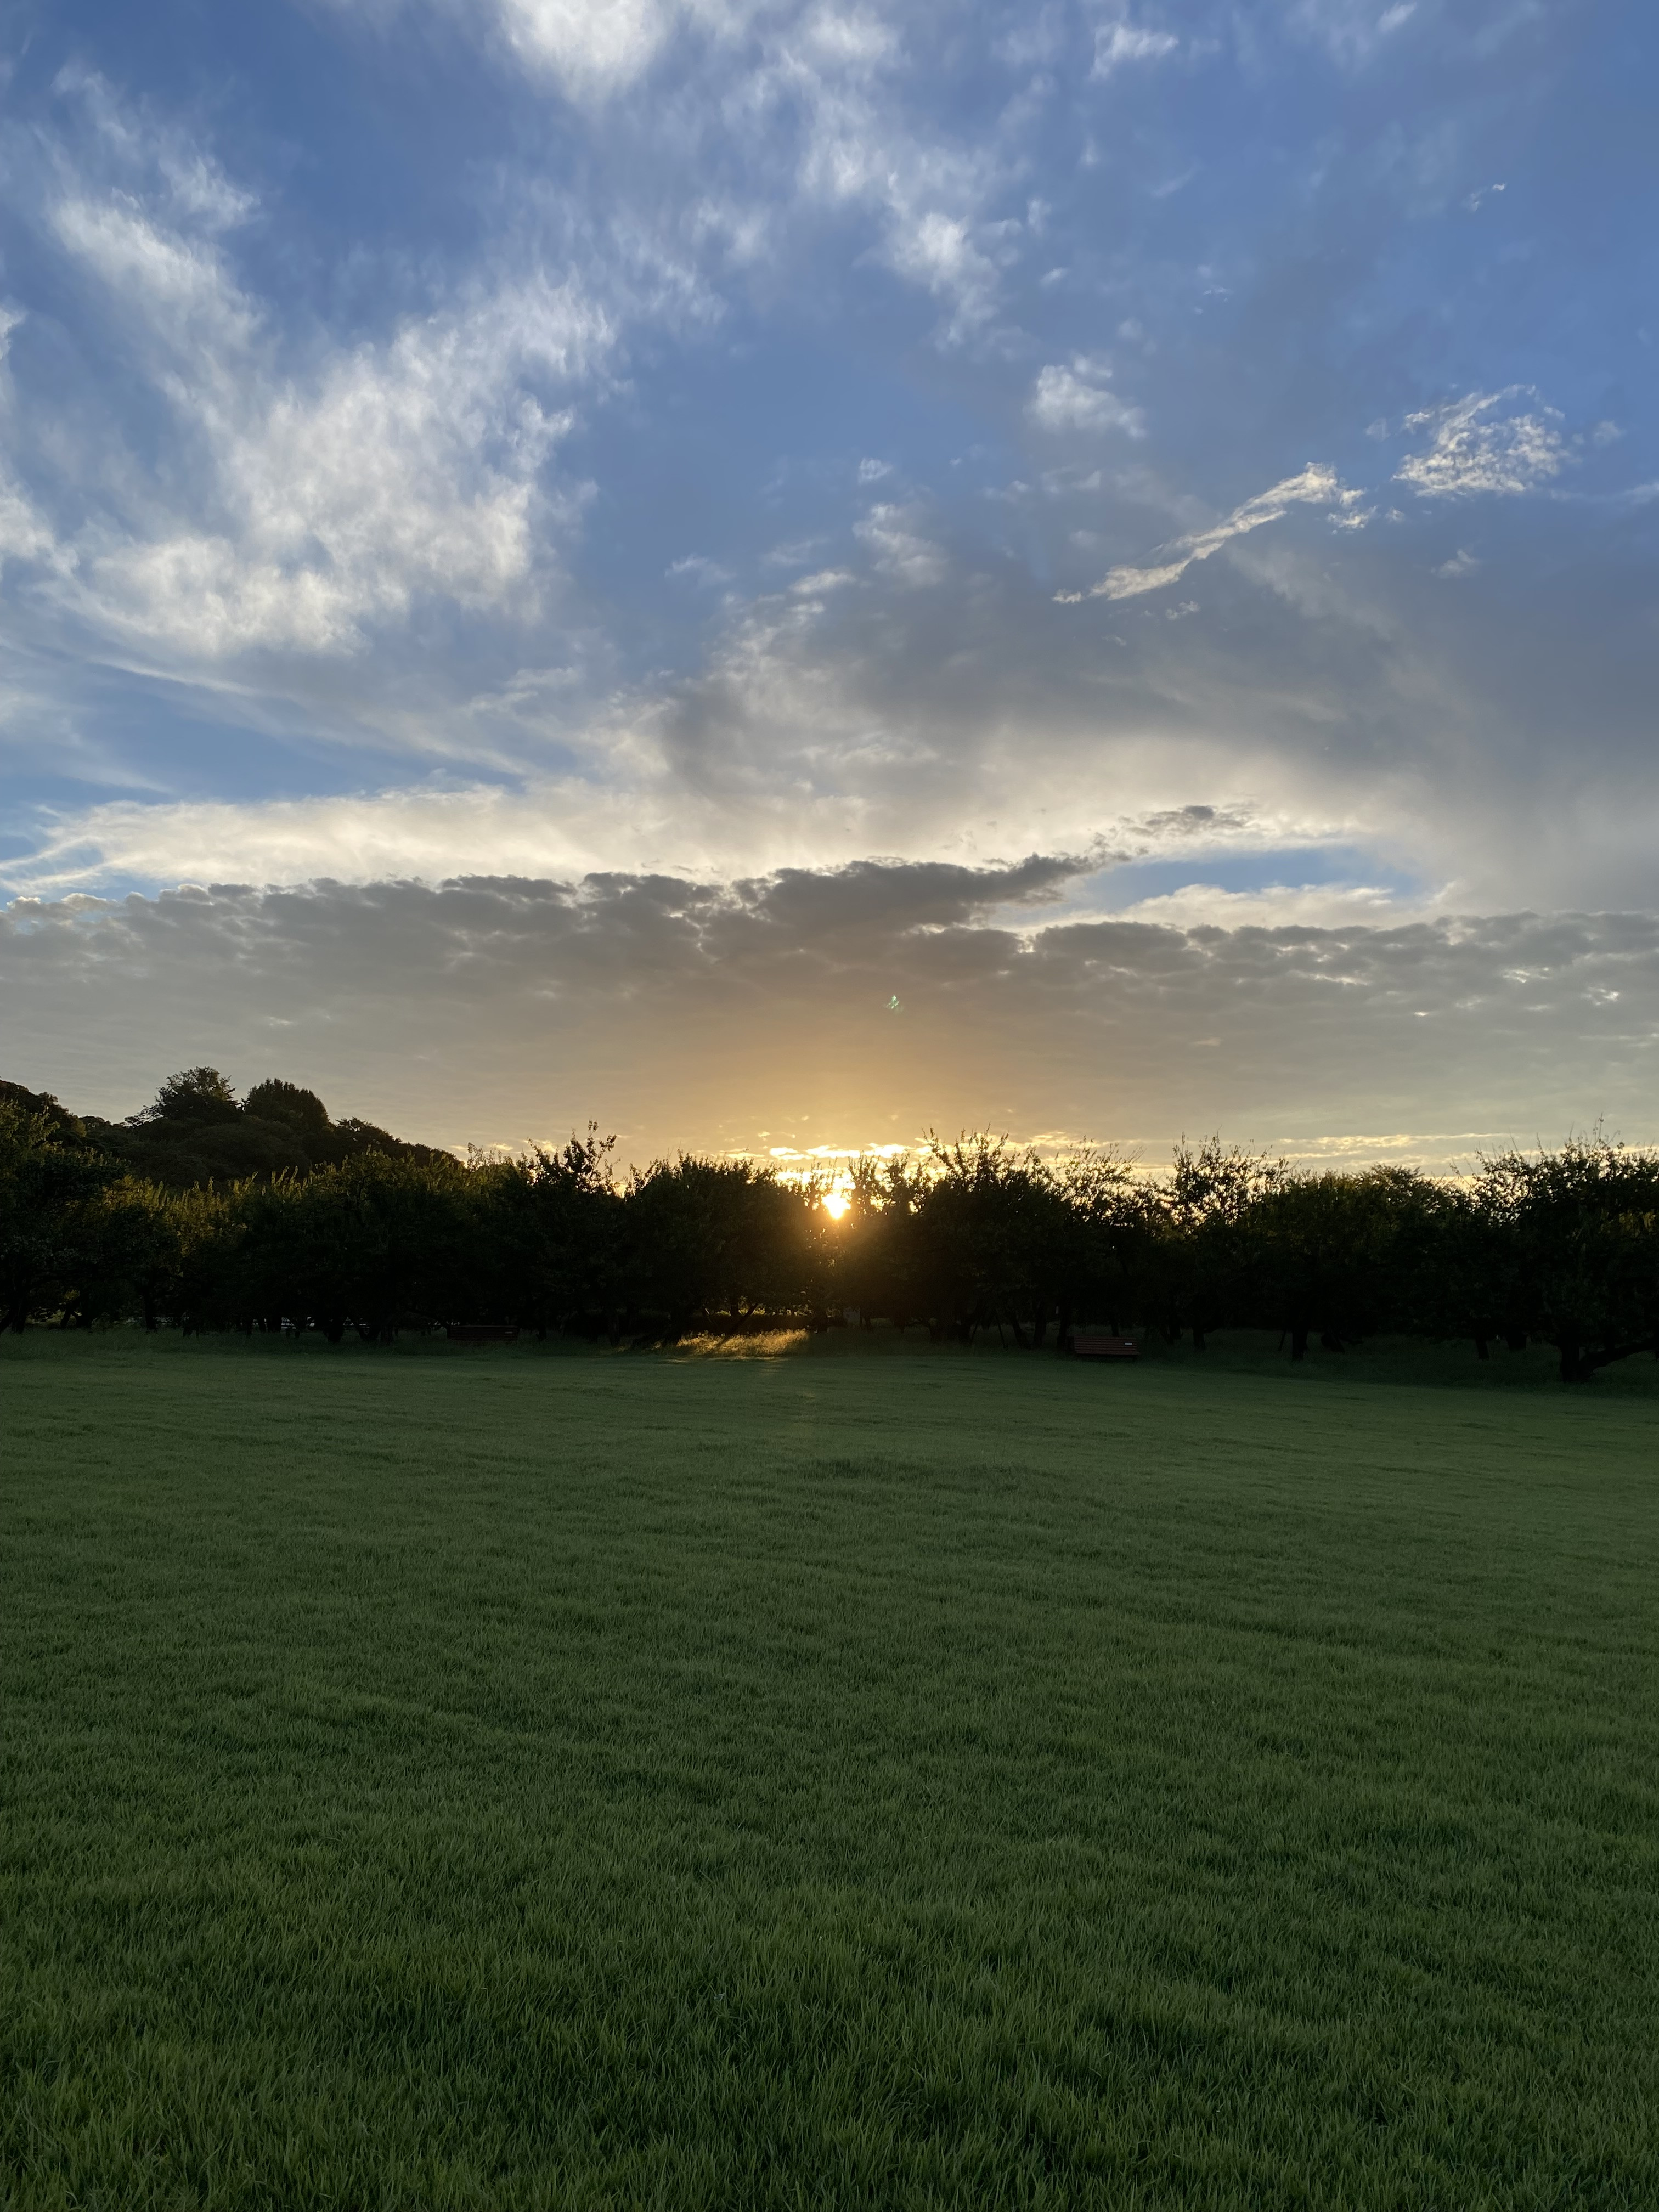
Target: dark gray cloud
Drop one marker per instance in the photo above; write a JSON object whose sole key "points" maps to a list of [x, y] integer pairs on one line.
{"points": [[760, 1014]]}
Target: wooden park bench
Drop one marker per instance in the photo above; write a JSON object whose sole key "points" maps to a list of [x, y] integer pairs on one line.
{"points": [[1087, 1345]]}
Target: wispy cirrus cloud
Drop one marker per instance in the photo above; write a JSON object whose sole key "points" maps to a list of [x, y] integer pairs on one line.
{"points": [[1316, 485], [798, 107], [408, 469], [302, 503], [1475, 449], [1117, 45]]}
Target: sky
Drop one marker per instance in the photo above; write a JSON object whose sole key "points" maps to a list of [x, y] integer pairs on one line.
{"points": [[784, 576]]}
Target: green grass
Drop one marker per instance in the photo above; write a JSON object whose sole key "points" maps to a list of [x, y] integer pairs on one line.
{"points": [[504, 1780]]}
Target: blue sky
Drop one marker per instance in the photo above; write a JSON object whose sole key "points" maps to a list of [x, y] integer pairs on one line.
{"points": [[1212, 445]]}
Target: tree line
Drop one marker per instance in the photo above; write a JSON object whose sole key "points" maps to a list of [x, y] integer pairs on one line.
{"points": [[210, 1212]]}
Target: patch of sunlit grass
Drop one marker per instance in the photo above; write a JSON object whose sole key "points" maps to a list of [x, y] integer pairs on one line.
{"points": [[747, 1344]]}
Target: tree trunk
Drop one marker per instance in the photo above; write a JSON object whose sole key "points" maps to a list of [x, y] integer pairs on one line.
{"points": [[1482, 1350], [1298, 1343]]}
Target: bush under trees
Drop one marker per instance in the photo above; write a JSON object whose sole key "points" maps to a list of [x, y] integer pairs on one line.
{"points": [[262, 1213]]}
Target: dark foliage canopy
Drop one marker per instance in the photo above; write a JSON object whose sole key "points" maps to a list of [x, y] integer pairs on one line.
{"points": [[267, 1214]]}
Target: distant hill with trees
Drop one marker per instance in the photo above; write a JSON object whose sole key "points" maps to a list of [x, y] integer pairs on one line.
{"points": [[195, 1131], [208, 1212]]}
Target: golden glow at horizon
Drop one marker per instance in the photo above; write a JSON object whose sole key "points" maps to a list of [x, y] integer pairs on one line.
{"points": [[836, 1203]]}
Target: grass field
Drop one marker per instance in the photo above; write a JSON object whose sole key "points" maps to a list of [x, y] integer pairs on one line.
{"points": [[498, 1779]]}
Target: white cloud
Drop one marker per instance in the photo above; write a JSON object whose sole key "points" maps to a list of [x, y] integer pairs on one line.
{"points": [[1461, 563], [302, 505], [900, 551], [1315, 486], [1200, 905], [825, 580], [404, 469], [1117, 44], [24, 533], [1474, 450], [592, 45], [1079, 397], [592, 50], [860, 145], [808, 97], [412, 833], [698, 569], [175, 168], [175, 286], [941, 252], [833, 76]]}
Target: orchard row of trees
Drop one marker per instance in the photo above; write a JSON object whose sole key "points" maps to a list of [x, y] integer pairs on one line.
{"points": [[347, 1229]]}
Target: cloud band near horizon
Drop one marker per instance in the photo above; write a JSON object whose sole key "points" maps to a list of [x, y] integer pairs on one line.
{"points": [[503, 1010]]}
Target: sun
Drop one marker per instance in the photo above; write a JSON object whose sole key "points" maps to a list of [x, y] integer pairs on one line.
{"points": [[836, 1203]]}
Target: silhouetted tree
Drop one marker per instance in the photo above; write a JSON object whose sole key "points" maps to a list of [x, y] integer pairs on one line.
{"points": [[49, 1182], [712, 1236], [547, 1238], [1582, 1227], [1217, 1214], [1111, 1233]]}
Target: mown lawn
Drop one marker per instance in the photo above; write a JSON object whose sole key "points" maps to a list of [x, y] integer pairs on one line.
{"points": [[496, 1779]]}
